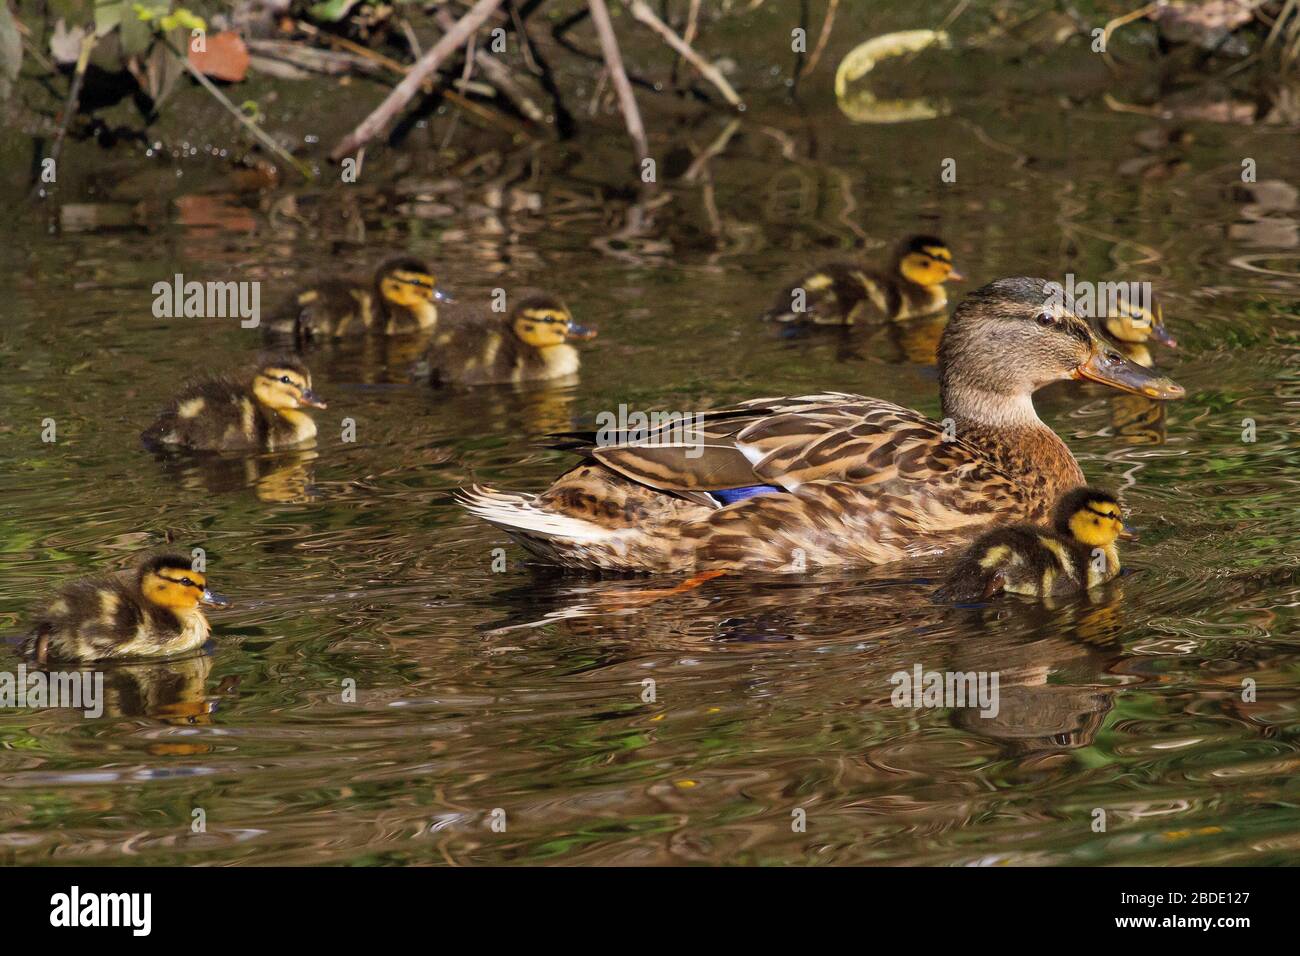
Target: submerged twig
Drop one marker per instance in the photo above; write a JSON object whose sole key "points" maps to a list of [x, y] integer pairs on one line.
{"points": [[74, 96], [614, 64], [499, 75], [258, 133], [383, 115], [822, 38], [643, 14]]}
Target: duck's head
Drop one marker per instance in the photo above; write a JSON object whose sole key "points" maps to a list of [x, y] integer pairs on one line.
{"points": [[408, 283], [1013, 336], [1133, 324], [543, 322], [170, 581], [282, 383], [925, 260], [1090, 516]]}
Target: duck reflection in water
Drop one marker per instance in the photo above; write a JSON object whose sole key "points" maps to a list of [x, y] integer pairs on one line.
{"points": [[1052, 658]]}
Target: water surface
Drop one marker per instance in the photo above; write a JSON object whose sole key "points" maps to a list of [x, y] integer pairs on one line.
{"points": [[480, 690]]}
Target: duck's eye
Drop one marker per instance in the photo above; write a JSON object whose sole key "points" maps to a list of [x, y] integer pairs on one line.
{"points": [[187, 582], [286, 379], [1045, 319]]}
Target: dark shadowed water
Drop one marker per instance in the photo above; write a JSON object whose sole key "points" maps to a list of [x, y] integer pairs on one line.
{"points": [[480, 690]]}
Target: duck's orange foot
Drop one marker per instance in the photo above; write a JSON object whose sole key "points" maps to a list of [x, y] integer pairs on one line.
{"points": [[642, 596]]}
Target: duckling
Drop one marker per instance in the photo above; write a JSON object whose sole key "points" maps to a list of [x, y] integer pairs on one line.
{"points": [[531, 344], [1078, 553], [149, 611], [1132, 326], [262, 412], [838, 293], [401, 300]]}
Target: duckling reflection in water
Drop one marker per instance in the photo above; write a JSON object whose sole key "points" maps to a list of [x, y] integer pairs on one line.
{"points": [[840, 293], [152, 610], [531, 344], [173, 691], [283, 476], [401, 299], [262, 411], [1079, 552]]}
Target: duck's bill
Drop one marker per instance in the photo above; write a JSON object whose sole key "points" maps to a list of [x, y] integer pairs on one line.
{"points": [[312, 400], [1128, 534], [955, 276], [442, 295], [580, 332], [215, 599], [1111, 369], [1161, 334]]}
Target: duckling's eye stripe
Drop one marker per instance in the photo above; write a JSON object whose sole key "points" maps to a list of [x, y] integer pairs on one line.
{"points": [[192, 584], [415, 278], [939, 253], [1100, 514]]}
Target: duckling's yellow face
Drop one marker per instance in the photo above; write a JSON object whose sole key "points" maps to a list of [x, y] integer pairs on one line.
{"points": [[283, 389], [1097, 523], [1133, 324], [408, 288], [931, 265], [175, 588], [543, 327]]}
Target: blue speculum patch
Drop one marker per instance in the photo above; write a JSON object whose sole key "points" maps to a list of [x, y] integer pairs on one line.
{"points": [[729, 496]]}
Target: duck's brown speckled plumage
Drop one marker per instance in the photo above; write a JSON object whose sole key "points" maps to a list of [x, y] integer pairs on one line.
{"points": [[857, 480]]}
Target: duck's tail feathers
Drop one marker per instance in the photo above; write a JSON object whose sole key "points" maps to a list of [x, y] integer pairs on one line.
{"points": [[519, 515]]}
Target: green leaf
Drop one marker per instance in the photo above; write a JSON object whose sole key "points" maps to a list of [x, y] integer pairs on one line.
{"points": [[331, 10]]}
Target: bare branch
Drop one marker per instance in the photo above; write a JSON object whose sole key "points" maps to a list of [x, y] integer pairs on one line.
{"points": [[405, 91], [643, 14], [614, 63]]}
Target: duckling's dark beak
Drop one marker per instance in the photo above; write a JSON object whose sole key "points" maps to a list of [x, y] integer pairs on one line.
{"points": [[442, 295], [312, 400], [215, 599], [1128, 534], [1161, 334], [1111, 368], [581, 332]]}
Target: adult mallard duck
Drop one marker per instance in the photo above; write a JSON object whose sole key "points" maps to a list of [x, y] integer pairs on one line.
{"points": [[839, 292], [263, 411], [149, 611], [1077, 553], [530, 344], [790, 484], [401, 299]]}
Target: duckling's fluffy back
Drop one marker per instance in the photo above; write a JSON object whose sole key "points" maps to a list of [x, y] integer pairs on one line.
{"points": [[1019, 559], [207, 416], [105, 616]]}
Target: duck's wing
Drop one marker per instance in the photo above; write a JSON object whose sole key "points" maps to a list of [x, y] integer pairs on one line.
{"points": [[790, 441]]}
